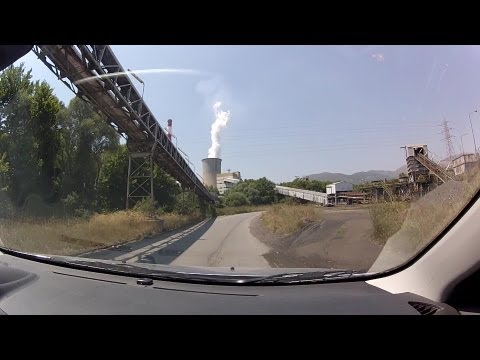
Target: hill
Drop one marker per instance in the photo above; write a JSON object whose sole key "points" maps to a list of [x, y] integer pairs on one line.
{"points": [[358, 177]]}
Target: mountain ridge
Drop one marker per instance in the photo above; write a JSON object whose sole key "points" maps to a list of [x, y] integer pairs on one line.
{"points": [[358, 177]]}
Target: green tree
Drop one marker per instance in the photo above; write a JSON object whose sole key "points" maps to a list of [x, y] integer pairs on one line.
{"points": [[165, 189], [85, 137], [112, 182], [16, 136], [265, 189], [13, 81], [312, 185], [255, 192], [235, 198], [213, 189], [45, 107]]}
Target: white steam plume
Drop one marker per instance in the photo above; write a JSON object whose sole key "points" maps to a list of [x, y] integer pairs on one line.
{"points": [[221, 120]]}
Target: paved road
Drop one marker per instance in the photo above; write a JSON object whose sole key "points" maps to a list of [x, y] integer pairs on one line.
{"points": [[227, 243], [222, 242]]}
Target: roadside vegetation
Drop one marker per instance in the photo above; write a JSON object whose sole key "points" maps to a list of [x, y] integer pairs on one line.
{"points": [[63, 176], [247, 196], [74, 235], [387, 218], [285, 219], [307, 184], [422, 220], [250, 192]]}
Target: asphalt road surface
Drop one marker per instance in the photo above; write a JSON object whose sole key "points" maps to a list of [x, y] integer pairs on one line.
{"points": [[225, 241]]}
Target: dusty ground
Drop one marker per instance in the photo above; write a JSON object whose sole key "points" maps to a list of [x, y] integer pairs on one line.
{"points": [[342, 239]]}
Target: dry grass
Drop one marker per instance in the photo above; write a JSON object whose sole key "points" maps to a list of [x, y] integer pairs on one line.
{"points": [[387, 218], [426, 217], [286, 219], [174, 221], [69, 237], [232, 210], [424, 222]]}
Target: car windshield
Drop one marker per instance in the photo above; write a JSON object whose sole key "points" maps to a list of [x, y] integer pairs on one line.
{"points": [[339, 159]]}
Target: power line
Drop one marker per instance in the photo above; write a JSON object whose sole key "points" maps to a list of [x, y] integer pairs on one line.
{"points": [[448, 138], [245, 135]]}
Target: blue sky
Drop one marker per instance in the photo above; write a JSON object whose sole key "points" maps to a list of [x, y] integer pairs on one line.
{"points": [[297, 110]]}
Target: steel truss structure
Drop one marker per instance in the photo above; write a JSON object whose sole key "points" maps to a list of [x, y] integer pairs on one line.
{"points": [[93, 73]]}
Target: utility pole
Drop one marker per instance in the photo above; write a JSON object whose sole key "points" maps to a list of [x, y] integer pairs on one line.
{"points": [[448, 138], [461, 140], [473, 134]]}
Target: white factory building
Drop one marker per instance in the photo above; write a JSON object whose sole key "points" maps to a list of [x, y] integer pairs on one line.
{"points": [[338, 186], [464, 163], [227, 180]]}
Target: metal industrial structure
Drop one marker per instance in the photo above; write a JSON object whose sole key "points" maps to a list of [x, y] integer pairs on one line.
{"points": [[307, 195], [338, 192], [420, 165], [211, 168], [94, 73]]}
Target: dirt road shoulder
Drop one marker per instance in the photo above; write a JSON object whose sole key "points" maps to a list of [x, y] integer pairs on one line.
{"points": [[342, 239]]}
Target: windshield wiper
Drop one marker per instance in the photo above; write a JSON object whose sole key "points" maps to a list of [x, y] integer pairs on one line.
{"points": [[105, 266], [215, 278], [136, 269], [307, 277]]}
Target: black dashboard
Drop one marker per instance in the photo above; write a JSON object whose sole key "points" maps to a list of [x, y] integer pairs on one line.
{"points": [[31, 287]]}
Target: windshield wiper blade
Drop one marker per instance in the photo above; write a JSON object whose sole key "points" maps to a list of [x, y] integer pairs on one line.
{"points": [[306, 277], [111, 267], [190, 276], [214, 278], [133, 269]]}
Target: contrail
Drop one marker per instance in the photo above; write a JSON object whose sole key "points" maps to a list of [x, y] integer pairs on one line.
{"points": [[145, 71], [221, 120]]}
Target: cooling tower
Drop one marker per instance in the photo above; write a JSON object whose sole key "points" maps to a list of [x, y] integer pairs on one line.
{"points": [[211, 167]]}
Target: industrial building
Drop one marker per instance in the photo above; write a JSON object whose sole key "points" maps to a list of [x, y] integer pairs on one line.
{"points": [[341, 191], [339, 186], [415, 169], [227, 180], [422, 169], [464, 163], [213, 176]]}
